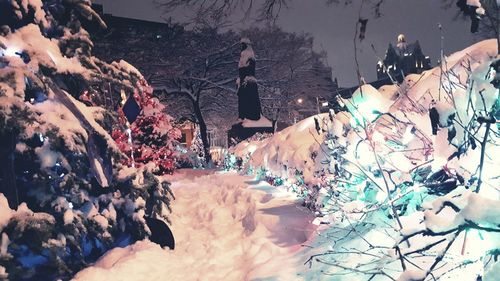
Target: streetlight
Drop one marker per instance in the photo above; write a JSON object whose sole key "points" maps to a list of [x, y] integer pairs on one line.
{"points": [[300, 100], [323, 104]]}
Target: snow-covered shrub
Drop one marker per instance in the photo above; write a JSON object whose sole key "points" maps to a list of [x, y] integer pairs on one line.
{"points": [[400, 181], [153, 136], [197, 146], [65, 195], [186, 158], [232, 162]]}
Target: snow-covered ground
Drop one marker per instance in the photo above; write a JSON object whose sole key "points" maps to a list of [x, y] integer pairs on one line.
{"points": [[375, 177], [227, 227]]}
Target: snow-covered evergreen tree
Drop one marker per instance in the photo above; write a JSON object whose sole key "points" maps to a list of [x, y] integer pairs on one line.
{"points": [[65, 196], [152, 136], [197, 146]]}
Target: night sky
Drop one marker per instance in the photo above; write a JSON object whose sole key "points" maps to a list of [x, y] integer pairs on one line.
{"points": [[333, 29]]}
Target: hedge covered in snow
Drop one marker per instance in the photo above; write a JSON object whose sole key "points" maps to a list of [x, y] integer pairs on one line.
{"points": [[407, 179]]}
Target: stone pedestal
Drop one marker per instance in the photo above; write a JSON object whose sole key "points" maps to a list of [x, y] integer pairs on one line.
{"points": [[238, 133]]}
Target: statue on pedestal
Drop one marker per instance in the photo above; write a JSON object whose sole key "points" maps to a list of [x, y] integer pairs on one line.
{"points": [[250, 116], [248, 92]]}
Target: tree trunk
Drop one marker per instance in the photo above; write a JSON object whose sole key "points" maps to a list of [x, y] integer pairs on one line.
{"points": [[7, 173], [203, 131]]}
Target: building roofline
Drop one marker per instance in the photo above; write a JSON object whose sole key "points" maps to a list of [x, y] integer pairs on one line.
{"points": [[99, 8]]}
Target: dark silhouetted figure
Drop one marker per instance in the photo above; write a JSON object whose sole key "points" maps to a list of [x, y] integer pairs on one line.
{"points": [[160, 233], [434, 116], [248, 93]]}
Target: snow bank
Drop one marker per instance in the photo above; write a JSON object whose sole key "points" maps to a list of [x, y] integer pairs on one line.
{"points": [[403, 131], [396, 150], [286, 151], [263, 122], [367, 103], [223, 230]]}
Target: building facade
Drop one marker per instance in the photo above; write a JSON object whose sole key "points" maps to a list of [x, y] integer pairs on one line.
{"points": [[402, 59]]}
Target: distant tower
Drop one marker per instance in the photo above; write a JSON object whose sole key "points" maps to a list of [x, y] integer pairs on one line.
{"points": [[401, 38], [402, 60], [401, 44]]}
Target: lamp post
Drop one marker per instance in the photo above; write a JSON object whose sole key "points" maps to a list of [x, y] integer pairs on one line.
{"points": [[299, 101], [317, 104]]}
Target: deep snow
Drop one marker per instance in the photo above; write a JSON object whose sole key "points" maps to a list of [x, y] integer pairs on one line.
{"points": [[227, 227], [390, 130]]}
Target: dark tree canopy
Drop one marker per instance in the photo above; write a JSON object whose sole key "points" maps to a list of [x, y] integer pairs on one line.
{"points": [[219, 10], [197, 69]]}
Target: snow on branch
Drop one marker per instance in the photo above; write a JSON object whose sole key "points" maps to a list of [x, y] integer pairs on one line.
{"points": [[404, 184]]}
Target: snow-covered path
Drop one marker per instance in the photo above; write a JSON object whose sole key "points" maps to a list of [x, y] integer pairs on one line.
{"points": [[227, 227]]}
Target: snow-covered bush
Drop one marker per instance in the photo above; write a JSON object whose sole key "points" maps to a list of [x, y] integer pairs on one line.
{"points": [[65, 196], [188, 159], [153, 138], [400, 181], [197, 150]]}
